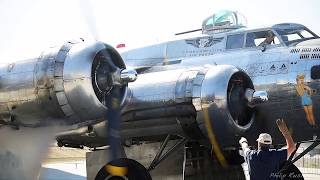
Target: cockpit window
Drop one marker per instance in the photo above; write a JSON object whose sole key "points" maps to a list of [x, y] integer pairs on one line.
{"points": [[293, 36], [235, 41], [261, 38]]}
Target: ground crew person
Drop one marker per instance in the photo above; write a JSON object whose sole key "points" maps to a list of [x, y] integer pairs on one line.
{"points": [[265, 163]]}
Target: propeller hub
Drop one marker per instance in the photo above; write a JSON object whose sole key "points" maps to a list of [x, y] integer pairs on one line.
{"points": [[128, 75]]}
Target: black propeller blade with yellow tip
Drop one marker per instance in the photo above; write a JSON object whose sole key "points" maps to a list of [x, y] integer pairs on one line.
{"points": [[119, 167], [113, 82]]}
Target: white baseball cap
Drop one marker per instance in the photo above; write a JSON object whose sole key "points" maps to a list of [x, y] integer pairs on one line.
{"points": [[265, 138]]}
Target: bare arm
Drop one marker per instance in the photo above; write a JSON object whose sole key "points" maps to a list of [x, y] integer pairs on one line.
{"points": [[286, 134], [310, 91], [307, 87], [290, 143], [244, 145]]}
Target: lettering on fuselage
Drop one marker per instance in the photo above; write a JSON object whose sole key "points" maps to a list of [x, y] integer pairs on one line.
{"points": [[201, 52]]}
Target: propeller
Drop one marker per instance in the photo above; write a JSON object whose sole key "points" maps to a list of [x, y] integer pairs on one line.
{"points": [[112, 102], [115, 80], [112, 78]]}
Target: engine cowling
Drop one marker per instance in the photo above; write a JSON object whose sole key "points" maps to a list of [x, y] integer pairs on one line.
{"points": [[222, 105], [64, 85]]}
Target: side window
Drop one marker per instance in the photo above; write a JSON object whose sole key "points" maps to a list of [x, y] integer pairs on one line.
{"points": [[235, 41], [260, 38], [250, 40]]}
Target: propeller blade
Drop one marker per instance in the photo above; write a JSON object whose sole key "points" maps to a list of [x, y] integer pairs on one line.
{"points": [[89, 17], [113, 117], [107, 58]]}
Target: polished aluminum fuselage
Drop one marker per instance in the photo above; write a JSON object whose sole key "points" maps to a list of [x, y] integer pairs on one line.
{"points": [[273, 70]]}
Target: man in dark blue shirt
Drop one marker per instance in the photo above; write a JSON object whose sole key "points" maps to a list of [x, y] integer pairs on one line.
{"points": [[264, 163]]}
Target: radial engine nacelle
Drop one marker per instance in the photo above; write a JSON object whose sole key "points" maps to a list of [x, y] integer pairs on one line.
{"points": [[64, 85], [224, 92]]}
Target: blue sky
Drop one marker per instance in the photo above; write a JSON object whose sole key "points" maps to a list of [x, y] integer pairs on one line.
{"points": [[29, 26]]}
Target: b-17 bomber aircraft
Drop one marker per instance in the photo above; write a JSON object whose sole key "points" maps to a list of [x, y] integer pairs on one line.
{"points": [[192, 98]]}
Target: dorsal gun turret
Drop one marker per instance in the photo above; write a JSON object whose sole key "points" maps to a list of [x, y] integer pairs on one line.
{"points": [[223, 21]]}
